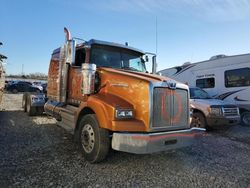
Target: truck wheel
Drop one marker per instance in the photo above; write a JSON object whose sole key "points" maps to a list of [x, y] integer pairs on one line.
{"points": [[245, 118], [24, 103], [30, 109], [198, 120], [40, 111], [94, 141]]}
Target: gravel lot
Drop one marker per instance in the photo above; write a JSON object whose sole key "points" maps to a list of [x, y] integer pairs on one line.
{"points": [[36, 152]]}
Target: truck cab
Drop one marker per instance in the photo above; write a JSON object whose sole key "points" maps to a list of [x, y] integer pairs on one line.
{"points": [[102, 93], [209, 112]]}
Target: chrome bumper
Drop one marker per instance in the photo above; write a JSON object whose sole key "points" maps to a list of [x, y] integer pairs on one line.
{"points": [[223, 121], [154, 142]]}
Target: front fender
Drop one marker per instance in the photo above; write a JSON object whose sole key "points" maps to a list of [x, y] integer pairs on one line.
{"points": [[104, 106]]}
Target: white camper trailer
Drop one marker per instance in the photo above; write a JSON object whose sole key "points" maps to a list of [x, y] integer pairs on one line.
{"points": [[223, 77]]}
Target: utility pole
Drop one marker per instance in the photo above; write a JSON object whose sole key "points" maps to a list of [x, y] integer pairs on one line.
{"points": [[22, 70]]}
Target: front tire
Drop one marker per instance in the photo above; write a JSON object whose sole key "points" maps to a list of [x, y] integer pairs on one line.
{"points": [[245, 118], [93, 140], [198, 120]]}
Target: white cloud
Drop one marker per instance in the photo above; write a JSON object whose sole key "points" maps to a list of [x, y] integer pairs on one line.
{"points": [[211, 10]]}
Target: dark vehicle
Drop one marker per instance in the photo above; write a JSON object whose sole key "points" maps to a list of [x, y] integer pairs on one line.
{"points": [[45, 85], [22, 87], [33, 101]]}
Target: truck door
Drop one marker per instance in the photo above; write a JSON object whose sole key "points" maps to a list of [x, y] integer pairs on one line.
{"points": [[75, 77]]}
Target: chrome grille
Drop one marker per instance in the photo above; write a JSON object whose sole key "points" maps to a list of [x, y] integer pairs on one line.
{"points": [[170, 108], [230, 111]]}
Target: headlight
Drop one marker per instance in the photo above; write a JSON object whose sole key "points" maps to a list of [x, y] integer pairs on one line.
{"points": [[124, 113], [215, 111]]}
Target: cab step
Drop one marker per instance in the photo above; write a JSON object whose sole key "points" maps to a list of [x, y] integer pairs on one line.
{"points": [[68, 118]]}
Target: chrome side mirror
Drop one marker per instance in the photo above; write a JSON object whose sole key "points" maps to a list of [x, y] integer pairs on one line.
{"points": [[70, 51], [70, 47]]}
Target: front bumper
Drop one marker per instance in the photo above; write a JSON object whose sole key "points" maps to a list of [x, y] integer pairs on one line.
{"points": [[140, 143], [220, 121]]}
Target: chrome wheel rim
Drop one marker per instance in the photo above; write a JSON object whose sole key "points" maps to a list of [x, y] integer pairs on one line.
{"points": [[88, 138]]}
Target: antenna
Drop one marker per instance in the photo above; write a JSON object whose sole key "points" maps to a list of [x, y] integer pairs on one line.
{"points": [[156, 36]]}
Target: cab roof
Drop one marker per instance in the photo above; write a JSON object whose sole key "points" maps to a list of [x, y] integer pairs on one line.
{"points": [[105, 43], [112, 44]]}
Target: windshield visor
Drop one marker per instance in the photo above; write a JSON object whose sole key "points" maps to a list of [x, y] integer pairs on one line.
{"points": [[106, 56]]}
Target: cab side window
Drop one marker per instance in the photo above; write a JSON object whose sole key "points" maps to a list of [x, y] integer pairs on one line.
{"points": [[80, 57]]}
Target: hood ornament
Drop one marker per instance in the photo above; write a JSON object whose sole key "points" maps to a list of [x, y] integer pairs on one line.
{"points": [[171, 84]]}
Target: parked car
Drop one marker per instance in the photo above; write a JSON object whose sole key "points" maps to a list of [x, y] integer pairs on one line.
{"points": [[209, 112], [38, 86], [11, 82], [22, 86]]}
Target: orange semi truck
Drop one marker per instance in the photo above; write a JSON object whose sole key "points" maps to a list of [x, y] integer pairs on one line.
{"points": [[102, 93]]}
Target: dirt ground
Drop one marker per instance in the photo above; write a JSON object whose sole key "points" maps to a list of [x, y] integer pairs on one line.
{"points": [[34, 151]]}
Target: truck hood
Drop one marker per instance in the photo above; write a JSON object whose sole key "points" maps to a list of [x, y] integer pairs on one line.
{"points": [[139, 75], [208, 102], [134, 90]]}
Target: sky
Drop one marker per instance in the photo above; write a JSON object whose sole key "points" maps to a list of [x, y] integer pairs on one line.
{"points": [[187, 30]]}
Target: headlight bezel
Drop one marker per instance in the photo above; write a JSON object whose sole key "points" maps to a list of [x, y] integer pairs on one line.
{"points": [[215, 110]]}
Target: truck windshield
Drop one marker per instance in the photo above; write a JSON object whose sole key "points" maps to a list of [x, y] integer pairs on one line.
{"points": [[197, 93], [105, 56]]}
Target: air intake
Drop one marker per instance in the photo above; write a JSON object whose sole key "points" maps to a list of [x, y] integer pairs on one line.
{"points": [[217, 56]]}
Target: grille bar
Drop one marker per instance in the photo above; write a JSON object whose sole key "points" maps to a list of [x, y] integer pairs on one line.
{"points": [[230, 111], [170, 108]]}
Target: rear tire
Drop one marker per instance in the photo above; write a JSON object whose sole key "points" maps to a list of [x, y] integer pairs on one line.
{"points": [[24, 103], [245, 118], [93, 140], [40, 111], [30, 109]]}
